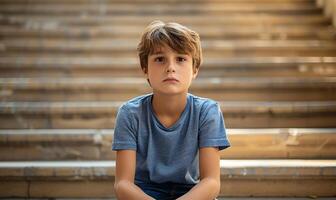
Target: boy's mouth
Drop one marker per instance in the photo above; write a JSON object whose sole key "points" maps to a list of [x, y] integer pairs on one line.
{"points": [[170, 80]]}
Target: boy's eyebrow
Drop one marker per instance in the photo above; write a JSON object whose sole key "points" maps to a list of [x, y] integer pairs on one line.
{"points": [[157, 52], [160, 52]]}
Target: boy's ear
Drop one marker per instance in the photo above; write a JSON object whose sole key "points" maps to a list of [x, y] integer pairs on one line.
{"points": [[144, 70], [195, 73], [145, 73]]}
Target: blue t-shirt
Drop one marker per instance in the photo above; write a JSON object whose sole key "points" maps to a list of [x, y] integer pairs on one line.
{"points": [[169, 154]]}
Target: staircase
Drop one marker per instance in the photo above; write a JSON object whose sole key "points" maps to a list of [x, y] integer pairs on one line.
{"points": [[67, 65]]}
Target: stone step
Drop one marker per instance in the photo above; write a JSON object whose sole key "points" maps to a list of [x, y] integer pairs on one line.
{"points": [[28, 65], [96, 21], [95, 179], [108, 88], [201, 8], [218, 198], [210, 47], [101, 114], [248, 2], [232, 32], [130, 44], [96, 144]]}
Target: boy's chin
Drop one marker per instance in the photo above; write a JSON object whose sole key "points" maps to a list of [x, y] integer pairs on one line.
{"points": [[170, 92]]}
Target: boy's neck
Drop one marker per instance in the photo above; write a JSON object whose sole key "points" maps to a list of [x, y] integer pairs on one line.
{"points": [[169, 105]]}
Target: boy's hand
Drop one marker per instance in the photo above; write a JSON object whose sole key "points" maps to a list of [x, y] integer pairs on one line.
{"points": [[209, 186]]}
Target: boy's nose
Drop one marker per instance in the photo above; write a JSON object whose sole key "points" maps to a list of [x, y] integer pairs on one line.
{"points": [[171, 67], [170, 70]]}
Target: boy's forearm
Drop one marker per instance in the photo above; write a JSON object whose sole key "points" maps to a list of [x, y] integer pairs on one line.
{"points": [[207, 188], [126, 190]]}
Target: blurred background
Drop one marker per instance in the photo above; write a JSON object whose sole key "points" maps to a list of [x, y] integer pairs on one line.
{"points": [[67, 65]]}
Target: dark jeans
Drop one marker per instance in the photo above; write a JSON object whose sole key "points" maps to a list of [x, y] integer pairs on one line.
{"points": [[164, 191]]}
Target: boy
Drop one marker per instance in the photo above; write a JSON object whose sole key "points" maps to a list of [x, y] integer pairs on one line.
{"points": [[168, 142]]}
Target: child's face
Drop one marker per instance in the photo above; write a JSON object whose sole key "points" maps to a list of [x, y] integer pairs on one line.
{"points": [[170, 72]]}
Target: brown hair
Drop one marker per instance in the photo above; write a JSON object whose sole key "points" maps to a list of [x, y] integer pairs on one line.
{"points": [[178, 37]]}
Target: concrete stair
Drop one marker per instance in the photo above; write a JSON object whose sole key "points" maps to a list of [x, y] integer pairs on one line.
{"points": [[101, 114], [159, 8], [229, 88], [142, 20], [201, 8], [213, 48], [95, 179], [67, 65], [96, 144], [112, 66], [232, 32]]}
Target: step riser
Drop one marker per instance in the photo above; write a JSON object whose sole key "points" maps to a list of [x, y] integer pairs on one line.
{"points": [[208, 49], [164, 7], [83, 179], [57, 189], [143, 21], [224, 36], [167, 11], [63, 151], [278, 188], [230, 33], [214, 53], [262, 2], [222, 54], [271, 94], [233, 120], [22, 21], [226, 70], [229, 188], [184, 9], [39, 152], [98, 147]]}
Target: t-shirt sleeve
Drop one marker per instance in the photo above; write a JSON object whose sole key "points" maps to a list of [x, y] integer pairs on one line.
{"points": [[124, 131], [212, 132]]}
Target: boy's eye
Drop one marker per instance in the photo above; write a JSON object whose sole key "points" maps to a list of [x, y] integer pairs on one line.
{"points": [[159, 59], [181, 59]]}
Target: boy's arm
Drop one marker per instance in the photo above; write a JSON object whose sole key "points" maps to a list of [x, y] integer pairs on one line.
{"points": [[209, 186], [124, 186]]}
